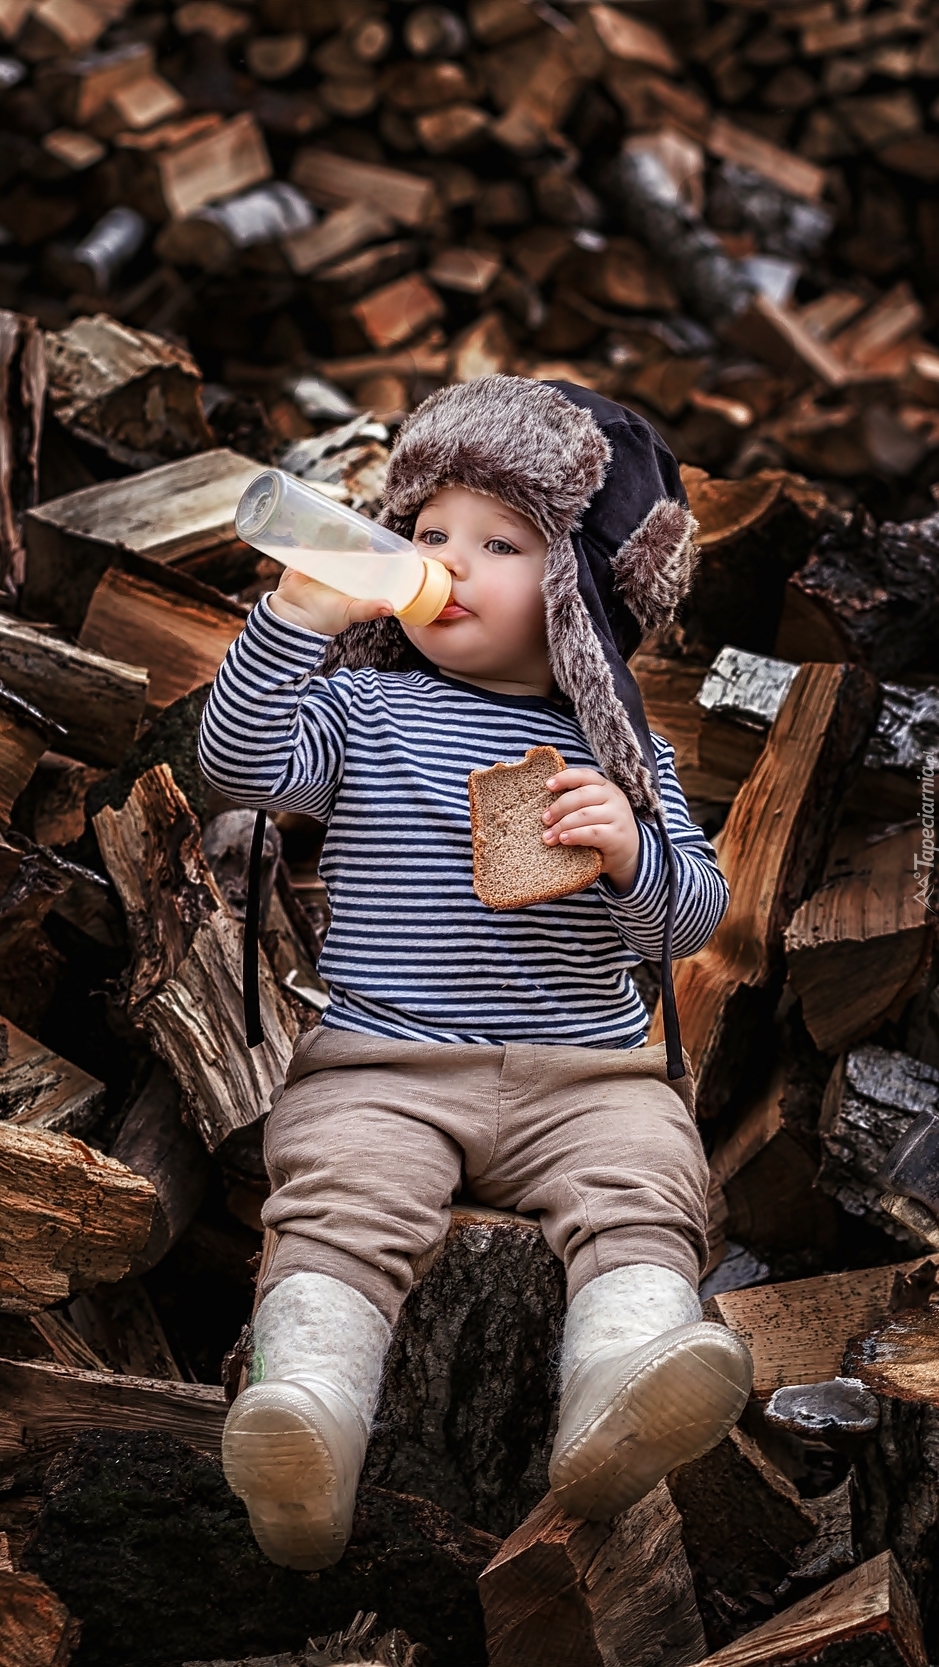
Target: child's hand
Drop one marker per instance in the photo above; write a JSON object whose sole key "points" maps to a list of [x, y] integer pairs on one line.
{"points": [[589, 810], [318, 607]]}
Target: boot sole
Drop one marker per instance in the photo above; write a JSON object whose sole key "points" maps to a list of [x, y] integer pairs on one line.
{"points": [[677, 1403], [277, 1458]]}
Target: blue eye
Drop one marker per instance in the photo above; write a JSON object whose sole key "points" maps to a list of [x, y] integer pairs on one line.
{"points": [[433, 535], [501, 547]]}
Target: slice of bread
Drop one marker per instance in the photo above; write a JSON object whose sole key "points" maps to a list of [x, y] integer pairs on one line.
{"points": [[512, 866]]}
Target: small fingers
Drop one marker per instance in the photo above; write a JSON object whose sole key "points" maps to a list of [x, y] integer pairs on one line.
{"points": [[572, 778], [591, 835], [592, 794], [590, 816]]}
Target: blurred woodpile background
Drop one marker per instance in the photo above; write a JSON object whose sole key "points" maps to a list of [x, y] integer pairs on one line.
{"points": [[237, 234]]}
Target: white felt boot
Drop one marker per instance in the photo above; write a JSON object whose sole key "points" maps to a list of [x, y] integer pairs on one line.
{"points": [[646, 1385], [294, 1441]]}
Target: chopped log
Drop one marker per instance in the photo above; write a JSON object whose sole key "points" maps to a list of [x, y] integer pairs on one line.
{"points": [[214, 237], [57, 28], [435, 32], [22, 391], [840, 1413], [132, 393], [875, 591], [36, 1629], [797, 1332], [186, 984], [79, 87], [340, 281], [272, 57], [139, 106], [331, 181], [44, 1406], [69, 1217], [163, 515], [762, 1188], [30, 965], [43, 1091], [469, 270], [867, 1615], [453, 131], [154, 1142], [873, 1097], [633, 42], [668, 690], [907, 727], [395, 313], [77, 151], [181, 641], [560, 1590], [860, 946], [120, 1324], [749, 688], [772, 850], [25, 733], [342, 232], [712, 284], [793, 174], [165, 1519], [180, 179], [556, 76], [99, 703], [484, 348], [776, 334], [900, 1358], [467, 1395], [743, 1525], [94, 262]]}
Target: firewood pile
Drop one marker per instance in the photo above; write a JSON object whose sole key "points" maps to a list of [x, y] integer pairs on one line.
{"points": [[232, 235]]}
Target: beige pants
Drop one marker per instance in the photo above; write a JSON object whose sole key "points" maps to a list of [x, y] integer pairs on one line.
{"points": [[369, 1140]]}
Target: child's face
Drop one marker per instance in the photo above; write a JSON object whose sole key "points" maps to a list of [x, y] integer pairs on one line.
{"points": [[492, 631]]}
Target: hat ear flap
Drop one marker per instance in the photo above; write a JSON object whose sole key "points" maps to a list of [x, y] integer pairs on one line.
{"points": [[581, 669], [654, 568]]}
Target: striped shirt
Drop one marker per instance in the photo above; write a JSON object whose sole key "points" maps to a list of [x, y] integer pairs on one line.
{"points": [[411, 952]]}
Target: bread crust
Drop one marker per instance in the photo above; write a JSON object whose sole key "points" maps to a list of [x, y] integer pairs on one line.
{"points": [[565, 868]]}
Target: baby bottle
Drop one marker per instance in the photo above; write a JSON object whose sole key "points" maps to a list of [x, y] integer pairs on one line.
{"points": [[304, 529]]}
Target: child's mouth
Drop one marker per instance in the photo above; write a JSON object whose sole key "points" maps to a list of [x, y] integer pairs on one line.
{"points": [[453, 610]]}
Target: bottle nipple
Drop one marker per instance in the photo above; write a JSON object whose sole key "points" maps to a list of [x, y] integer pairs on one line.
{"points": [[432, 597]]}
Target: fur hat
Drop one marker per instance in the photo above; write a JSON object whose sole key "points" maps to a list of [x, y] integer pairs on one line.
{"points": [[606, 493]]}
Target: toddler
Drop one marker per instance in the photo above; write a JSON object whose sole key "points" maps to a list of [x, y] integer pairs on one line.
{"points": [[503, 1051]]}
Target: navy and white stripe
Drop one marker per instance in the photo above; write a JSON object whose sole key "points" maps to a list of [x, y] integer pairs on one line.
{"points": [[411, 951]]}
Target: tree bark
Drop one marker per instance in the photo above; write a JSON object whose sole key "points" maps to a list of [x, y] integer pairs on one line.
{"points": [[98, 702], [186, 987], [127, 1520], [468, 1395]]}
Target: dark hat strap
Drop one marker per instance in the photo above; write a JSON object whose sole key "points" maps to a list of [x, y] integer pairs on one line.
{"points": [[250, 976], [673, 1050]]}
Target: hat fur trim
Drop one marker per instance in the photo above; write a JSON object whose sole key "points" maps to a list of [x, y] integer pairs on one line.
{"points": [[655, 566], [581, 671], [507, 437]]}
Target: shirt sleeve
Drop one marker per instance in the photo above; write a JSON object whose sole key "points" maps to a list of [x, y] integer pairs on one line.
{"points": [[273, 732], [703, 892]]}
